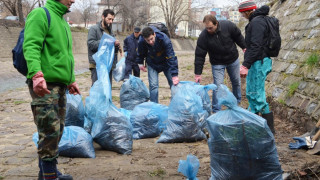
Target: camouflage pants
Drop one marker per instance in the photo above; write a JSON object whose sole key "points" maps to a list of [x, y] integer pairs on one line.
{"points": [[49, 116]]}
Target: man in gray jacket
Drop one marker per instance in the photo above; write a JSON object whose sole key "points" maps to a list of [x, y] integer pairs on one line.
{"points": [[94, 36]]}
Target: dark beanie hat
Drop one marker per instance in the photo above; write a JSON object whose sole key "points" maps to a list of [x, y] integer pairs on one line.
{"points": [[247, 5]]}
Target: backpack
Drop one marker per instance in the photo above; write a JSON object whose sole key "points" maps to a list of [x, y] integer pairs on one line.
{"points": [[161, 26], [19, 62], [274, 39]]}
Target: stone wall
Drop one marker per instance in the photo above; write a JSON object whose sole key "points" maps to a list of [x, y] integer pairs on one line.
{"points": [[294, 80]]}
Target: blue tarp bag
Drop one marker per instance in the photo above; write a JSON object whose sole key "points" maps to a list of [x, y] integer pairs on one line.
{"points": [[120, 70], [113, 132], [189, 167], [174, 89], [75, 143], [184, 118], [74, 110], [19, 62], [133, 92], [109, 127], [241, 144], [148, 120], [200, 90]]}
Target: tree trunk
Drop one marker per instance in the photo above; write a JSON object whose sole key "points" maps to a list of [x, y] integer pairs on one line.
{"points": [[20, 12]]}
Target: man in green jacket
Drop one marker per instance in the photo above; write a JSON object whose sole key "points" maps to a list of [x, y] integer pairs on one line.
{"points": [[48, 53]]}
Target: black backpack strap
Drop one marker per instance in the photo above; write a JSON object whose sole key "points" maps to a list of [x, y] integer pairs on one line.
{"points": [[48, 16]]}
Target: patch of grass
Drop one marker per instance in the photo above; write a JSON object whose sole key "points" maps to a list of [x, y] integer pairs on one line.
{"points": [[1, 177], [116, 98], [282, 102], [79, 29], [292, 89], [190, 67], [20, 102], [313, 60], [158, 172]]}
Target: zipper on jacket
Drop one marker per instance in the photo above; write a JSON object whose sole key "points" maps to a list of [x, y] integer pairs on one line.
{"points": [[68, 54]]}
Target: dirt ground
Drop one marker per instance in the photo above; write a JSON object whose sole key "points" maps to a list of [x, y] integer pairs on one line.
{"points": [[149, 160]]}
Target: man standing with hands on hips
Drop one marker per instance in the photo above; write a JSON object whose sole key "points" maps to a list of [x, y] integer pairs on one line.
{"points": [[156, 47]]}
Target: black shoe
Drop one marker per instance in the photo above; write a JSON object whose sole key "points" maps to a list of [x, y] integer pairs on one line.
{"points": [[269, 118]]}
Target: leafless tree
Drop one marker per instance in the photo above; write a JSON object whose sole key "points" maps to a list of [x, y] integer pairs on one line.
{"points": [[87, 9]]}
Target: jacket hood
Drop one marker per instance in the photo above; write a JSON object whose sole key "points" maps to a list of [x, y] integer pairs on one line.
{"points": [[263, 10], [57, 7]]}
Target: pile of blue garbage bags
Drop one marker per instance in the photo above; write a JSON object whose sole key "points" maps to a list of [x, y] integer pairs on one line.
{"points": [[241, 144]]}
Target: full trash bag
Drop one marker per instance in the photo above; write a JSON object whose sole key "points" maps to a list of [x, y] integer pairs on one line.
{"points": [[109, 127], [75, 143], [189, 167], [174, 89], [200, 90], [133, 92], [113, 132], [74, 110], [185, 118], [148, 120], [241, 144], [119, 72]]}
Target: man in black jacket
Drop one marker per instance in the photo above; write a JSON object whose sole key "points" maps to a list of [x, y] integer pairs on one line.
{"points": [[219, 39], [257, 63]]}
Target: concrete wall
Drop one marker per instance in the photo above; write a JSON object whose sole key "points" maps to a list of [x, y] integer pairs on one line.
{"points": [[300, 32]]}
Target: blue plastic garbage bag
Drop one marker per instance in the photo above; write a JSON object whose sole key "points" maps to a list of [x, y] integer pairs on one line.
{"points": [[74, 110], [148, 120], [110, 128], [200, 90], [125, 112], [174, 89], [189, 167], [120, 70], [133, 92], [75, 143], [241, 144], [184, 115], [99, 99], [113, 131]]}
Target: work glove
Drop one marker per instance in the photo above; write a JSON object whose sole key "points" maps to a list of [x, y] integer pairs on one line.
{"points": [[175, 80], [142, 67], [243, 71], [74, 88], [197, 78], [302, 143], [40, 85]]}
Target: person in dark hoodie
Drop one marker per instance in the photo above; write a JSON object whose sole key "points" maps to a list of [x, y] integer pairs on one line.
{"points": [[94, 35], [219, 39], [257, 64], [156, 48]]}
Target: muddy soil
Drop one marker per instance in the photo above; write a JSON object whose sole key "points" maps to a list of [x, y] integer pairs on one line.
{"points": [[149, 160]]}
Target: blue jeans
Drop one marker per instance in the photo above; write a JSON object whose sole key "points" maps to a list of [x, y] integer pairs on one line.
{"points": [[218, 77], [153, 77]]}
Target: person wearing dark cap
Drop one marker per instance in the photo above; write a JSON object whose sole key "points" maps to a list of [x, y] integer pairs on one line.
{"points": [[220, 39], [257, 64], [130, 45]]}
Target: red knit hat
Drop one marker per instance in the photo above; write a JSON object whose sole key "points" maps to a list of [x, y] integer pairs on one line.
{"points": [[247, 5]]}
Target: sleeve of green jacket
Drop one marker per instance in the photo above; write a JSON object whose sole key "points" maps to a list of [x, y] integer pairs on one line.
{"points": [[35, 31]]}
